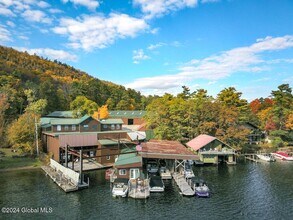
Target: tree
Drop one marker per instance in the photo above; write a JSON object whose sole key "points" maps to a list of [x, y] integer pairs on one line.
{"points": [[4, 105], [289, 122], [283, 104], [82, 106], [230, 97], [102, 113]]}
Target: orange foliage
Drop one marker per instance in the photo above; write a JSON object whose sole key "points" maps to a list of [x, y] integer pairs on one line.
{"points": [[102, 113]]}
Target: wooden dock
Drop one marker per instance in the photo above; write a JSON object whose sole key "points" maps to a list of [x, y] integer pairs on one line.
{"points": [[181, 182], [251, 157], [60, 179]]}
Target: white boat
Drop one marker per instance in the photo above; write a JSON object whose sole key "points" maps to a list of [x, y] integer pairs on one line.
{"points": [[120, 187], [156, 184], [282, 156], [200, 187], [268, 158], [165, 173]]}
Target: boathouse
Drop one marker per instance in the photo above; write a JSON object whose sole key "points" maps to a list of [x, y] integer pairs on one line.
{"points": [[211, 150], [173, 152], [128, 164]]}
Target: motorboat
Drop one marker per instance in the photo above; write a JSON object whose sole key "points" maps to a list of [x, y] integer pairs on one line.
{"points": [[200, 187], [268, 158], [282, 156], [165, 173], [156, 184], [120, 187], [152, 166]]}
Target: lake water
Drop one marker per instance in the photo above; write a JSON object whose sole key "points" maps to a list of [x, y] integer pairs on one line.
{"points": [[245, 191]]}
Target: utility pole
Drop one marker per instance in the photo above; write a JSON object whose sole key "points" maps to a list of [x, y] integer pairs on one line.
{"points": [[37, 138]]}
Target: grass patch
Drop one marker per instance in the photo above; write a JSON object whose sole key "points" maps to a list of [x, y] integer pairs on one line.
{"points": [[8, 161]]}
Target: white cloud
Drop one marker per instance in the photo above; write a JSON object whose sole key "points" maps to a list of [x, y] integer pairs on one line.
{"points": [[55, 10], [158, 8], [6, 12], [212, 82], [4, 34], [43, 4], [50, 53], [155, 46], [209, 1], [10, 24], [23, 37], [90, 32], [90, 4], [139, 55], [217, 66], [36, 16]]}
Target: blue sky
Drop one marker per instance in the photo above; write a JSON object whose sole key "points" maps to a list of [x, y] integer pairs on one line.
{"points": [[156, 46]]}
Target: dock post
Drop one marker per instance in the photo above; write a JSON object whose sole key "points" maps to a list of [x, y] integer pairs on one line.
{"points": [[66, 156], [81, 163]]}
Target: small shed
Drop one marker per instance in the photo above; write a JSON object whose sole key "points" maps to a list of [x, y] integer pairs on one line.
{"points": [[128, 164], [212, 150]]}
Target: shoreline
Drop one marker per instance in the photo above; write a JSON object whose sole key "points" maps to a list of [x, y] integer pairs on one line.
{"points": [[20, 168]]}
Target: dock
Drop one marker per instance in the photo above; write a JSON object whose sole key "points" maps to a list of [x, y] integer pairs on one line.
{"points": [[184, 187], [67, 179], [59, 179], [251, 157]]}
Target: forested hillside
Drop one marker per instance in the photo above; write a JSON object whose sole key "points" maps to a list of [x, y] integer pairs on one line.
{"points": [[58, 83]]}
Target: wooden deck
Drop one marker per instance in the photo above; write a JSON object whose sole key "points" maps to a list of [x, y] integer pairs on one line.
{"points": [[60, 180], [183, 185]]}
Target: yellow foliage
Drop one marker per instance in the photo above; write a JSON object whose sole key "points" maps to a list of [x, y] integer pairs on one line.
{"points": [[289, 122], [102, 113]]}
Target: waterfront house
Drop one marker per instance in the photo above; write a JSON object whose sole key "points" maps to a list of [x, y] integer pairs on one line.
{"points": [[100, 138], [256, 135], [211, 150]]}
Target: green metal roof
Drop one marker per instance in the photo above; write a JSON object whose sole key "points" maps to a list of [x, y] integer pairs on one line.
{"points": [[105, 142], [129, 158], [61, 114], [109, 121], [126, 114], [69, 121]]}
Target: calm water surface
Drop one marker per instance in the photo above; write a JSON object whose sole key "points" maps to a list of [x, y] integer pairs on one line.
{"points": [[244, 191]]}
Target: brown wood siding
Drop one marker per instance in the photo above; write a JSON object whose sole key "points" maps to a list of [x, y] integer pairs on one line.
{"points": [[116, 136], [126, 166], [111, 151], [127, 176], [136, 121], [93, 125], [53, 147], [63, 128], [109, 128]]}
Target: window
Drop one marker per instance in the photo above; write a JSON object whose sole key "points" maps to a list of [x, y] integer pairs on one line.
{"points": [[95, 127], [108, 157], [105, 126], [122, 172], [73, 127], [117, 127], [58, 127], [134, 173], [112, 127], [66, 127], [130, 121], [86, 127]]}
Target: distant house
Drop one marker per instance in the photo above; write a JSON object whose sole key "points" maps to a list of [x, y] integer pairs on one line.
{"points": [[256, 135], [211, 150], [102, 138], [132, 120]]}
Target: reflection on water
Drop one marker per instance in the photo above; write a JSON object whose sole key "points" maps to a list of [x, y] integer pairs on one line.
{"points": [[244, 191]]}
